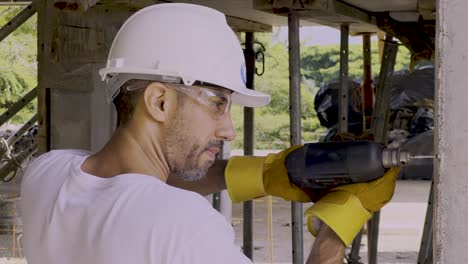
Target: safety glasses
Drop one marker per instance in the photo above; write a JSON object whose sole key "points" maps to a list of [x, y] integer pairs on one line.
{"points": [[216, 101]]}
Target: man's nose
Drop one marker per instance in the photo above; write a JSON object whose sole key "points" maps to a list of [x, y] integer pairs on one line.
{"points": [[226, 129]]}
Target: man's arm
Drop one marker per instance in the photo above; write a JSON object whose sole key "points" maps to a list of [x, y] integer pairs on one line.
{"points": [[327, 249], [212, 182]]}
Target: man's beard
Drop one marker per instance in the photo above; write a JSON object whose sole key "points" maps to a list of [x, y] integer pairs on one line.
{"points": [[183, 152]]}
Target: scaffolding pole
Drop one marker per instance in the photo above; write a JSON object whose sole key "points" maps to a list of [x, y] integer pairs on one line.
{"points": [[367, 92], [383, 91], [18, 20], [367, 103], [17, 106], [343, 92], [249, 142], [295, 127], [426, 247], [379, 129]]}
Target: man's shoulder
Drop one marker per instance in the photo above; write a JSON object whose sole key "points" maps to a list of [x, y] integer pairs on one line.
{"points": [[155, 198], [173, 197], [63, 153], [51, 161], [55, 155]]}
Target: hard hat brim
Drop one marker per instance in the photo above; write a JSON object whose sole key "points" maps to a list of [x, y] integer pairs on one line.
{"points": [[250, 98]]}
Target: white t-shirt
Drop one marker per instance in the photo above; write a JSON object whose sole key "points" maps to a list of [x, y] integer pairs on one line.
{"points": [[71, 217]]}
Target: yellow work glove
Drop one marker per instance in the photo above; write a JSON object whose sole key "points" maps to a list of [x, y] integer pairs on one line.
{"points": [[347, 208], [249, 177]]}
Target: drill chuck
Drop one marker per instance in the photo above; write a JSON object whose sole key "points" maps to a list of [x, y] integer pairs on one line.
{"points": [[395, 158]]}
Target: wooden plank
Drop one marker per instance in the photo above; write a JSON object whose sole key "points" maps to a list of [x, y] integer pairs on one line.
{"points": [[245, 25]]}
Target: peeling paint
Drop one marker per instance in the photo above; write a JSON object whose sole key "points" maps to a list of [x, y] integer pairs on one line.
{"points": [[61, 5]]}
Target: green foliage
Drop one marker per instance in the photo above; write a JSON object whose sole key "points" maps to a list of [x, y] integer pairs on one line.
{"points": [[322, 63], [319, 64], [18, 63]]}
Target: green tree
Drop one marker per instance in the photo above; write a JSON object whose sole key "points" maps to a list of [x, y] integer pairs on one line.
{"points": [[322, 63], [319, 65], [18, 63]]}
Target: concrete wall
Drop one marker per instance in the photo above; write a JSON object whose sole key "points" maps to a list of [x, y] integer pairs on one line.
{"points": [[73, 46], [451, 139]]}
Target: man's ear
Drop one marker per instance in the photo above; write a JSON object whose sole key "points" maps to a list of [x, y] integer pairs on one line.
{"points": [[159, 101]]}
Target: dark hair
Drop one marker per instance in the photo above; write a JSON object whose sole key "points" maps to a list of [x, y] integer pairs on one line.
{"points": [[125, 102]]}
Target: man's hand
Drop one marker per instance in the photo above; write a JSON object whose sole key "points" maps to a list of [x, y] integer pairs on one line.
{"points": [[251, 177], [347, 208]]}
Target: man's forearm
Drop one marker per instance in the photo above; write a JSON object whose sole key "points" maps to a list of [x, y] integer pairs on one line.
{"points": [[327, 249], [212, 182]]}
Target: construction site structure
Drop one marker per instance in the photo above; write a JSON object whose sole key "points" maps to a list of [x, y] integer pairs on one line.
{"points": [[74, 37]]}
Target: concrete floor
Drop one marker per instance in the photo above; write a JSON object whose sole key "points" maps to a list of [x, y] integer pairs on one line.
{"points": [[402, 221]]}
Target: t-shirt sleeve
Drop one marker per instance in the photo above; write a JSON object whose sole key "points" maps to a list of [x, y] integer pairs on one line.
{"points": [[213, 243], [207, 236]]}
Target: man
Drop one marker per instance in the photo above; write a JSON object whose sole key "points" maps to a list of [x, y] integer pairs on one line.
{"points": [[172, 72]]}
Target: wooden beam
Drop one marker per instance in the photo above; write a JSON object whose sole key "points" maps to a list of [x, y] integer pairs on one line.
{"points": [[244, 25]]}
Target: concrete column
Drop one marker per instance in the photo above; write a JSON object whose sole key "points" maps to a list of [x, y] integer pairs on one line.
{"points": [[451, 136], [73, 46]]}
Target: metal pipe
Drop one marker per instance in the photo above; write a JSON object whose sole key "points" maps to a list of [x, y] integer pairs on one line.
{"points": [[367, 104], [18, 134], [383, 91], [18, 20], [16, 107], [249, 141], [353, 256], [426, 248], [367, 92], [373, 237], [379, 129], [343, 92], [295, 127], [217, 201]]}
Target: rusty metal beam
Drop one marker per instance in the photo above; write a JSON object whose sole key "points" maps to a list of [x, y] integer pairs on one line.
{"points": [[317, 8], [418, 37]]}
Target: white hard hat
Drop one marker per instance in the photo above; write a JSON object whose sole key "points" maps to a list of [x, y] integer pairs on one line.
{"points": [[185, 42]]}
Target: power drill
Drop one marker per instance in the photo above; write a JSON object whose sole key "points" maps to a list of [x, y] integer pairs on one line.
{"points": [[327, 165]]}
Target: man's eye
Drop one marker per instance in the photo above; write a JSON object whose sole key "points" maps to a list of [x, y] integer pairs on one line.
{"points": [[217, 101]]}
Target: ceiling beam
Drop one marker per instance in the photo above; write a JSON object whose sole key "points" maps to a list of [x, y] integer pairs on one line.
{"points": [[245, 25]]}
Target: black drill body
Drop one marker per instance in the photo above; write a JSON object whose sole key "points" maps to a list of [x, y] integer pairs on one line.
{"points": [[331, 164]]}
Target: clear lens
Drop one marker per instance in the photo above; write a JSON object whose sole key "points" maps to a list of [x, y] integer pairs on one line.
{"points": [[217, 102]]}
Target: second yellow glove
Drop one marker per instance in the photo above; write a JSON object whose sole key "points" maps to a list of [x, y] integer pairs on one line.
{"points": [[347, 208]]}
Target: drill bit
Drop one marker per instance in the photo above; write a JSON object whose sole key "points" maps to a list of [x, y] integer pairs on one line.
{"points": [[422, 157]]}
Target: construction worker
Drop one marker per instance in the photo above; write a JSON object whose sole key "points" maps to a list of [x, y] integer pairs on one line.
{"points": [[173, 72]]}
